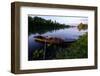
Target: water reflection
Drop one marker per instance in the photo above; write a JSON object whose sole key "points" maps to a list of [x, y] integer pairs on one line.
{"points": [[40, 51]]}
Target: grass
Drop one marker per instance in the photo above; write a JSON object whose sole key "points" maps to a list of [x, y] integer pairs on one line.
{"points": [[79, 49]]}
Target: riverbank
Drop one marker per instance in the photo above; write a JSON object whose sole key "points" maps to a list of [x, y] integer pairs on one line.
{"points": [[79, 49]]}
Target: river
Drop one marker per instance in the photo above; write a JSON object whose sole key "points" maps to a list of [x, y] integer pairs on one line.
{"points": [[67, 34]]}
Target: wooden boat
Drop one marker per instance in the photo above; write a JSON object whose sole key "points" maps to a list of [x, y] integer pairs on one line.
{"points": [[49, 40]]}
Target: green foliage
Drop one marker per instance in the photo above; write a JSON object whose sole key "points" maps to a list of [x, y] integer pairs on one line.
{"points": [[76, 50], [38, 54], [82, 26]]}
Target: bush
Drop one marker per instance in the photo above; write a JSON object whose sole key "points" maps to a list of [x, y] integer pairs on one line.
{"points": [[79, 49]]}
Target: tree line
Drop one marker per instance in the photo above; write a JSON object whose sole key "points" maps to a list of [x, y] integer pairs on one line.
{"points": [[43, 25]]}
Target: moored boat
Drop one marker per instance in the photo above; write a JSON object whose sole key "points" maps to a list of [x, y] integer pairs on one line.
{"points": [[50, 40]]}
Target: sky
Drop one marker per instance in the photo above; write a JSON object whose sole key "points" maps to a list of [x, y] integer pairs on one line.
{"points": [[68, 20]]}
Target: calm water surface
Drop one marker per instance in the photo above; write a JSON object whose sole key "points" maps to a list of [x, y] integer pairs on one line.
{"points": [[67, 34]]}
